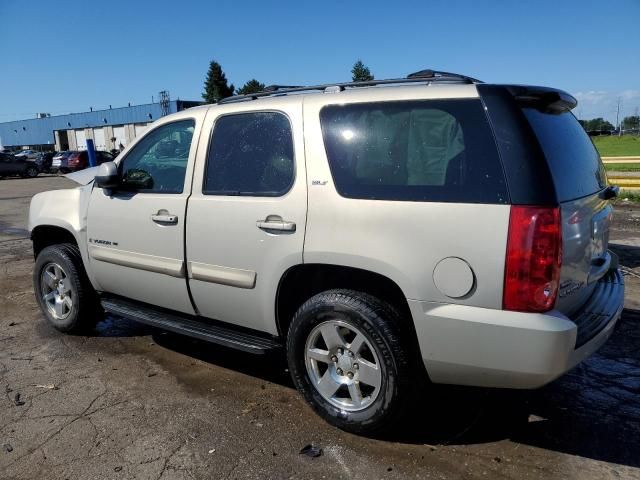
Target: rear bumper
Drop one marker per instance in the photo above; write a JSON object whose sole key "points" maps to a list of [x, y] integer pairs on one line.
{"points": [[466, 345]]}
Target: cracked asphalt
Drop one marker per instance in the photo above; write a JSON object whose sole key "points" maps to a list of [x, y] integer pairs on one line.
{"points": [[133, 402]]}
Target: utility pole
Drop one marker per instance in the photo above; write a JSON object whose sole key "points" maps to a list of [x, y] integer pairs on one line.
{"points": [[617, 117], [164, 102]]}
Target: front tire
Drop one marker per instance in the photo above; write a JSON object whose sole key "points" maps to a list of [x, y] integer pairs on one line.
{"points": [[63, 290], [31, 172], [347, 357]]}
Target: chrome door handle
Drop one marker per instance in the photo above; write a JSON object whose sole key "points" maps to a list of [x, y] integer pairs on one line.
{"points": [[164, 218], [274, 222]]}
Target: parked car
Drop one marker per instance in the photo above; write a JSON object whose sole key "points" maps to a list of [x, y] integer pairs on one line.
{"points": [[80, 160], [437, 228], [44, 161], [10, 165], [59, 160], [27, 154]]}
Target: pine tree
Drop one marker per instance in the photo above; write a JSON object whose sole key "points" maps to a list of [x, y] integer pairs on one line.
{"points": [[252, 86], [360, 72], [216, 86]]}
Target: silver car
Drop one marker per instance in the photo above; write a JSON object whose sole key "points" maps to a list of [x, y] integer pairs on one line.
{"points": [[386, 235]]}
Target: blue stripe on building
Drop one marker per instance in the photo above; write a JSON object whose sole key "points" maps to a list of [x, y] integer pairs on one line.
{"points": [[40, 131]]}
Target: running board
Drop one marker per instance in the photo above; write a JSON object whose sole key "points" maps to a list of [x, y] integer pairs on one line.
{"points": [[203, 329]]}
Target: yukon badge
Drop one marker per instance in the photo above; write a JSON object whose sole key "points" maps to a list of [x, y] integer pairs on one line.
{"points": [[568, 287], [97, 241]]}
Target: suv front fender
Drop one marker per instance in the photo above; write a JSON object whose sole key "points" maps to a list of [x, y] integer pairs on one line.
{"points": [[64, 209]]}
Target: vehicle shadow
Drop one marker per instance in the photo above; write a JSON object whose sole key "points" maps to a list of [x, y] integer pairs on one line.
{"points": [[629, 255], [593, 411], [19, 177], [271, 367]]}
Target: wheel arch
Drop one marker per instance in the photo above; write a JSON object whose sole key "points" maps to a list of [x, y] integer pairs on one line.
{"points": [[43, 236], [52, 233], [302, 281]]}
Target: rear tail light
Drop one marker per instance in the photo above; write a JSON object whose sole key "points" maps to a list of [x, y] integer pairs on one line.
{"points": [[534, 256]]}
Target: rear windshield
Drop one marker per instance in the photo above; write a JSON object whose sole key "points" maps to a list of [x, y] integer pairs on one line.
{"points": [[431, 150], [574, 162]]}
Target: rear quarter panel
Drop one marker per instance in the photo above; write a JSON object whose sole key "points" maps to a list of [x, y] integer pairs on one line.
{"points": [[401, 240]]}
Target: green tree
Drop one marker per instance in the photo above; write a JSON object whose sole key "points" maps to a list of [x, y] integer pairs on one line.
{"points": [[631, 122], [602, 124], [252, 86], [360, 72], [215, 86], [597, 124]]}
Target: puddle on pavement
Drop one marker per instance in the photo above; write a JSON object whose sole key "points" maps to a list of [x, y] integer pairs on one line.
{"points": [[14, 231], [113, 326], [161, 346]]}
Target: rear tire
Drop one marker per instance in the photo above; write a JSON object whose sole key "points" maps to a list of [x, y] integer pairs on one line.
{"points": [[348, 358], [63, 290]]}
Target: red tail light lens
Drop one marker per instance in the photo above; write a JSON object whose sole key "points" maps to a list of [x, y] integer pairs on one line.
{"points": [[534, 256]]}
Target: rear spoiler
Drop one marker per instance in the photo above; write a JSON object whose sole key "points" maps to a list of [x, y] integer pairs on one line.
{"points": [[545, 99]]}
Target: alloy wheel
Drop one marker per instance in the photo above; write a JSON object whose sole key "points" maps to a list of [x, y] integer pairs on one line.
{"points": [[56, 291], [343, 365]]}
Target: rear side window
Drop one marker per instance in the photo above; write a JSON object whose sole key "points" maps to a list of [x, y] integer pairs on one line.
{"points": [[432, 150], [573, 160], [250, 154]]}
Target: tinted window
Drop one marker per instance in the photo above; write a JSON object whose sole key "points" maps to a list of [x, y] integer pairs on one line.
{"points": [[250, 154], [574, 162], [104, 156], [431, 150], [158, 163]]}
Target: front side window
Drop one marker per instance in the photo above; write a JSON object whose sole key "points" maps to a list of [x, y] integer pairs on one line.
{"points": [[158, 163], [250, 154], [433, 150]]}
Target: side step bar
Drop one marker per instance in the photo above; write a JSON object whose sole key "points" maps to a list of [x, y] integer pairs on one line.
{"points": [[196, 327]]}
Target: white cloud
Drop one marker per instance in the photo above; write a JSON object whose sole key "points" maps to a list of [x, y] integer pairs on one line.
{"points": [[602, 103], [592, 96], [630, 95]]}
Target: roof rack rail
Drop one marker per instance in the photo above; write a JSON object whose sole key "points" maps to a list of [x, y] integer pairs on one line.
{"points": [[438, 75], [275, 88], [422, 76]]}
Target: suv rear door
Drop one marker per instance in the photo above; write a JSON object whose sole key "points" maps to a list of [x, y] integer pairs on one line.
{"points": [[247, 211], [549, 160], [579, 179]]}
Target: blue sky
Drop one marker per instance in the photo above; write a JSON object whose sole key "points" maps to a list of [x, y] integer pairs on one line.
{"points": [[66, 56]]}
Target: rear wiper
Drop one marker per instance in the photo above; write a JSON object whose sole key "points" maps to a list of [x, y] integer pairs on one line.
{"points": [[610, 192]]}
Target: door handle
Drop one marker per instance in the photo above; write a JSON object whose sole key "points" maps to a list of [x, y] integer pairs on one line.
{"points": [[164, 217], [275, 222]]}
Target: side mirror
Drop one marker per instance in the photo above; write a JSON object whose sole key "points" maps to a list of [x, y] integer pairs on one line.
{"points": [[107, 176]]}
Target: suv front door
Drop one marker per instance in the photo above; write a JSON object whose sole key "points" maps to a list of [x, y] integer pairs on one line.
{"points": [[247, 212], [136, 231]]}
